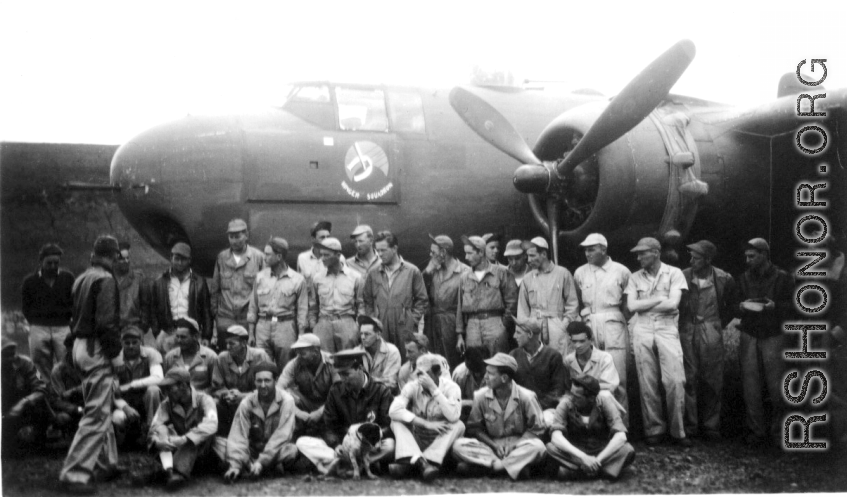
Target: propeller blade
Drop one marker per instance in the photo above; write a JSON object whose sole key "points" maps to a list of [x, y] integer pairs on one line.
{"points": [[632, 104], [553, 220], [488, 123]]}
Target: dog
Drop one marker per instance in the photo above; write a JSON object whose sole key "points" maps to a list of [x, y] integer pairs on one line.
{"points": [[360, 444]]}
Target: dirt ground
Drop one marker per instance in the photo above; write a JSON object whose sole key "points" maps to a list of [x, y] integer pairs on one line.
{"points": [[726, 467]]}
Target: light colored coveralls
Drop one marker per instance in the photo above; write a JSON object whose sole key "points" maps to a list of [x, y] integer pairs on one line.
{"points": [[549, 297]]}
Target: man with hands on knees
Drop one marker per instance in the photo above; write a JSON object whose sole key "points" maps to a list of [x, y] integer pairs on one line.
{"points": [[307, 378], [232, 375]]}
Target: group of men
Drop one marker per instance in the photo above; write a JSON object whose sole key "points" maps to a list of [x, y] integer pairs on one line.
{"points": [[538, 356]]}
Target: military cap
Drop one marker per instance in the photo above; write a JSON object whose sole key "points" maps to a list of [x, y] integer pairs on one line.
{"points": [[329, 243], [647, 243], [131, 331], [49, 249], [492, 237], [540, 242], [594, 239], [704, 248], [321, 226], [474, 241], [514, 247], [237, 330], [365, 319], [306, 340], [278, 244], [530, 325], [501, 359], [589, 383], [442, 241], [174, 376], [346, 359], [362, 228], [193, 323], [759, 244], [181, 248], [236, 225], [264, 366]]}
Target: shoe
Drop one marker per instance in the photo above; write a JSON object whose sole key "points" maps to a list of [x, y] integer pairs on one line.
{"points": [[524, 474], [280, 469], [175, 481], [399, 470], [565, 474], [685, 443], [77, 488], [653, 440], [427, 470], [111, 474]]}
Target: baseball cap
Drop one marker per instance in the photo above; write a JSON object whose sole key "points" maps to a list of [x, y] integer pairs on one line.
{"points": [[181, 248], [759, 244], [237, 330], [362, 228], [501, 359], [442, 241], [594, 239], [174, 376], [329, 243], [474, 241], [236, 225], [647, 243], [346, 359], [540, 242], [513, 248], [307, 340], [131, 331], [704, 248], [278, 244]]}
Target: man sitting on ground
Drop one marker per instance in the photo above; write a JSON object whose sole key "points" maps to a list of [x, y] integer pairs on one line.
{"points": [[308, 378], [382, 359], [470, 376], [540, 368], [139, 371], [232, 375]]}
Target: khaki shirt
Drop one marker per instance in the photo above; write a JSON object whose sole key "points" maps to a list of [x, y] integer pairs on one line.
{"points": [[232, 283], [600, 365], [446, 286], [274, 429], [521, 418], [283, 296], [642, 286], [602, 287], [338, 294], [361, 267], [227, 375], [198, 423], [201, 366], [384, 366], [546, 294], [497, 292], [309, 265]]}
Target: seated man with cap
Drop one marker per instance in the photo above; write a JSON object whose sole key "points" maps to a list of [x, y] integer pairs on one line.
{"points": [[262, 431], [588, 435], [189, 354], [382, 359], [25, 411], [65, 395], [139, 371], [366, 257], [335, 299], [355, 399], [425, 419], [506, 424], [416, 344], [308, 378], [470, 377], [586, 359], [232, 375], [540, 368], [183, 429], [279, 304]]}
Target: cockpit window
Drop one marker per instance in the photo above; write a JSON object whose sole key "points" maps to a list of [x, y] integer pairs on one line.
{"points": [[312, 103], [361, 109], [406, 110]]}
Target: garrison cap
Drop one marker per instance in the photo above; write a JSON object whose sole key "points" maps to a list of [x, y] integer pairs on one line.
{"points": [[278, 244], [306, 340], [364, 319], [514, 247], [540, 242], [589, 383], [759, 244], [321, 226], [476, 242], [594, 239], [501, 359], [131, 331], [174, 376], [329, 243], [237, 330], [647, 243], [442, 241], [362, 228], [181, 248], [346, 359], [236, 225], [704, 248]]}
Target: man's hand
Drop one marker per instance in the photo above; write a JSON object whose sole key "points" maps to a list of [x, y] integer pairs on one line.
{"points": [[255, 469], [125, 388], [440, 427], [164, 445], [18, 409], [132, 415], [770, 305], [460, 344], [232, 474], [426, 382], [315, 417], [179, 441], [499, 451]]}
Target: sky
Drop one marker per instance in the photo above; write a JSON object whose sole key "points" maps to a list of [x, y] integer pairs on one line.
{"points": [[102, 72]]}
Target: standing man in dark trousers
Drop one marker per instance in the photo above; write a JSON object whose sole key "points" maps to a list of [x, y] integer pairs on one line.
{"points": [[96, 339], [444, 294], [47, 306]]}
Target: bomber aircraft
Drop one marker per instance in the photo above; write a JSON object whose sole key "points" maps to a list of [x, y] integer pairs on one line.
{"points": [[411, 160]]}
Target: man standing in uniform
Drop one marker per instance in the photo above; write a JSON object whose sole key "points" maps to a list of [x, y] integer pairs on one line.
{"points": [[766, 297], [134, 290], [335, 299], [547, 295], [366, 257], [47, 306], [653, 295], [600, 285], [179, 293], [232, 283], [444, 298], [710, 305], [492, 247], [95, 335], [395, 292], [309, 262], [487, 301], [279, 304]]}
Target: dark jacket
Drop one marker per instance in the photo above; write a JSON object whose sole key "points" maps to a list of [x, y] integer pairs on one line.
{"points": [[774, 284], [547, 376], [726, 290], [97, 308], [44, 305], [20, 381], [198, 305], [343, 409]]}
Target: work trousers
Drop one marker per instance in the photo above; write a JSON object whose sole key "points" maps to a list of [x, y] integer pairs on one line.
{"points": [[93, 447], [443, 337], [558, 337], [47, 347], [489, 332], [337, 333], [524, 453], [702, 349], [762, 363], [414, 442], [287, 455], [321, 454], [146, 403], [187, 455], [276, 338], [658, 353], [611, 467], [612, 335]]}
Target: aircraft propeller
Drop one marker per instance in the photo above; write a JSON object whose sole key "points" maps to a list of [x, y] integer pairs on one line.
{"points": [[624, 112]]}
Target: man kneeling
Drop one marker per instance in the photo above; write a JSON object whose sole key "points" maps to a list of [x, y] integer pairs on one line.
{"points": [[588, 435], [425, 415], [261, 433]]}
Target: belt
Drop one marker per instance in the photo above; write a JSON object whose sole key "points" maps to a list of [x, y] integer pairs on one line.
{"points": [[484, 314], [334, 317], [605, 309], [444, 311], [274, 319], [545, 315]]}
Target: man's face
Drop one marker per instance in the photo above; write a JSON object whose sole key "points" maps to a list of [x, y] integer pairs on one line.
{"points": [[309, 355], [473, 256], [184, 338], [595, 254], [271, 257], [386, 253], [368, 335], [131, 347], [328, 257], [353, 378], [698, 262], [238, 240], [236, 346], [522, 337], [492, 250], [178, 393], [264, 382], [437, 255], [646, 258], [180, 264], [321, 235], [493, 377], [581, 343], [755, 259], [364, 244], [419, 373], [122, 264], [412, 351], [533, 258], [50, 265], [517, 263]]}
